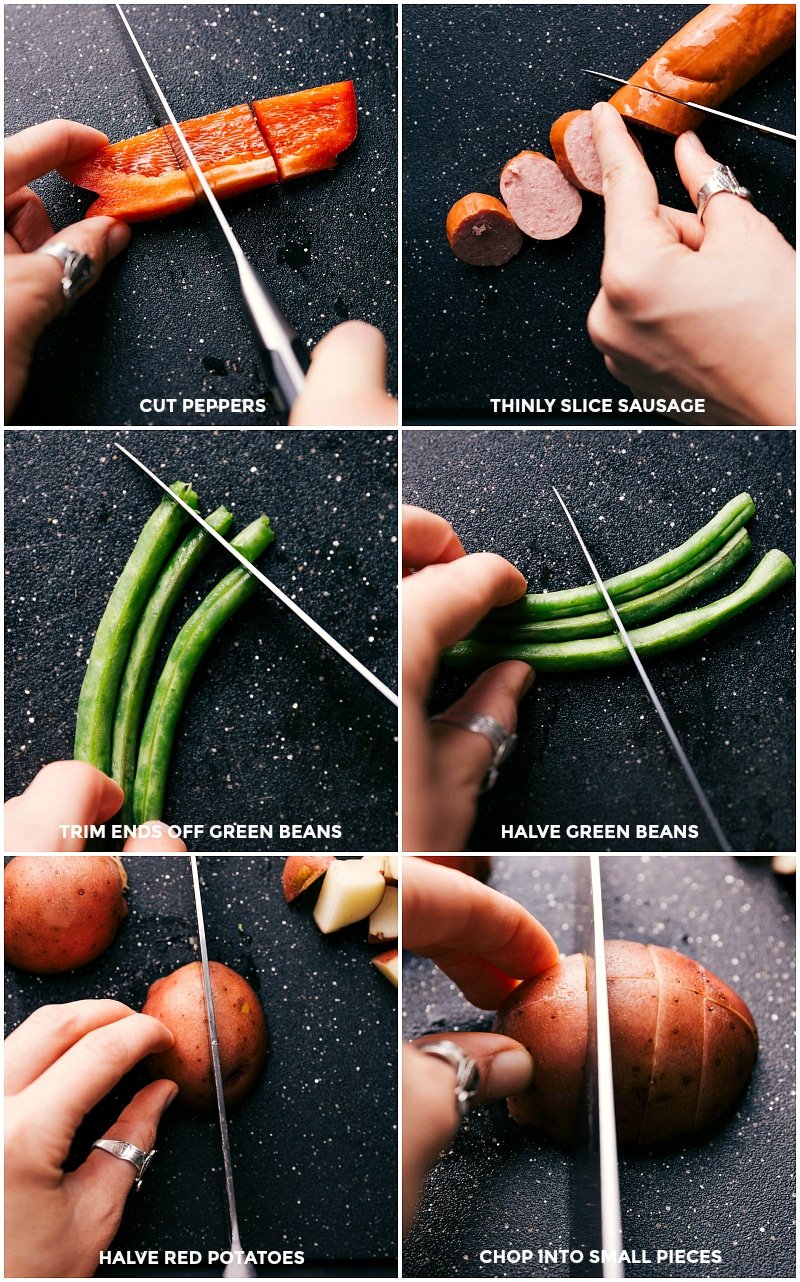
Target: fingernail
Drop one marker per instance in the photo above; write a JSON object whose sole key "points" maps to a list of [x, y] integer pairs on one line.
{"points": [[693, 141], [512, 1071], [172, 1095], [529, 680], [118, 236]]}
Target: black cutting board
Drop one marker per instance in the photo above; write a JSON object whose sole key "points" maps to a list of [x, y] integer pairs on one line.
{"points": [[167, 320], [591, 748], [500, 1187], [481, 83], [276, 728], [315, 1143]]}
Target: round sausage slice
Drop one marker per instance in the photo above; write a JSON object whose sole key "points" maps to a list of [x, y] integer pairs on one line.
{"points": [[539, 198], [481, 231], [572, 141]]}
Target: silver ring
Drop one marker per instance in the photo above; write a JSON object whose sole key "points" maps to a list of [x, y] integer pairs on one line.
{"points": [[77, 270], [468, 1075], [722, 179], [501, 740], [128, 1153]]}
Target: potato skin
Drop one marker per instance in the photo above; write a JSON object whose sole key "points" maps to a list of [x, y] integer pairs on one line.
{"points": [[61, 911], [683, 1044], [177, 1000]]}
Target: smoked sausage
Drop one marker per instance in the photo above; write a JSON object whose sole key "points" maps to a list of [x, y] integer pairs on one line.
{"points": [[481, 231], [541, 201], [573, 147]]}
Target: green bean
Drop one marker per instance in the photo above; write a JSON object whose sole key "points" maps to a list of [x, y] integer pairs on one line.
{"points": [[600, 623], [634, 583], [772, 571], [144, 647], [113, 638], [187, 651]]}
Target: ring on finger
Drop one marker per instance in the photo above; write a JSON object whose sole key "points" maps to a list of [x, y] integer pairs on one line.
{"points": [[77, 273], [468, 1075], [128, 1153], [502, 741], [722, 179]]}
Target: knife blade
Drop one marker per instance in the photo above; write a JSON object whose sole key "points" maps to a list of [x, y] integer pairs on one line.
{"points": [[235, 1269], [678, 747], [685, 102], [335, 645], [596, 1220], [284, 357]]}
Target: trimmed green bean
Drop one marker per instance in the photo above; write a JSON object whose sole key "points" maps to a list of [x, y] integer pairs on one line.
{"points": [[599, 623], [647, 578], [190, 645], [772, 572], [114, 634], [144, 647]]}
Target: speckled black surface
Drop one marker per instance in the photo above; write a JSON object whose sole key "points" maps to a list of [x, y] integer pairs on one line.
{"points": [[166, 320], [315, 1143], [499, 1187], [276, 727], [591, 749], [482, 83]]}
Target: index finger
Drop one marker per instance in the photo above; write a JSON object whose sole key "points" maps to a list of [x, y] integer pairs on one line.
{"points": [[45, 1035], [483, 940], [428, 539], [629, 189], [68, 794], [35, 151]]}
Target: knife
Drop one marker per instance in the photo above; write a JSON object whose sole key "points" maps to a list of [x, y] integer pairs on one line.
{"points": [[686, 765], [684, 102], [284, 357], [262, 578], [596, 1214], [234, 1269]]}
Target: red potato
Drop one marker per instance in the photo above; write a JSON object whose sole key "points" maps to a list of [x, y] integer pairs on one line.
{"points": [[539, 198], [178, 1001], [301, 871], [481, 231], [683, 1044], [61, 911]]}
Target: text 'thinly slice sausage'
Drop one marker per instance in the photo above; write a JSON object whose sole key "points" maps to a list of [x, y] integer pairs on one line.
{"points": [[481, 231], [716, 53], [573, 147], [539, 198]]}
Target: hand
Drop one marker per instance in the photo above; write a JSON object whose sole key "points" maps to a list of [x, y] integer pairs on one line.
{"points": [[33, 281], [346, 382], [58, 1064], [691, 309], [446, 596], [72, 792], [485, 942]]}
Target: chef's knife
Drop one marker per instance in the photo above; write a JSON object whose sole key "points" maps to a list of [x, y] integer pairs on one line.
{"points": [[685, 102], [235, 1269], [284, 356], [686, 765], [262, 578], [596, 1222]]}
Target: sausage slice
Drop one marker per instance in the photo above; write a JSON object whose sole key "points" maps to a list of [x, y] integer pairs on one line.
{"points": [[572, 141], [539, 198], [481, 231]]}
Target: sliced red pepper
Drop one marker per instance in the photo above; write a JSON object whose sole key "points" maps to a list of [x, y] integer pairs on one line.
{"points": [[306, 131]]}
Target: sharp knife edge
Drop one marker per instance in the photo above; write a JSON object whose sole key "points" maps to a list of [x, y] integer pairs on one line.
{"points": [[698, 106], [273, 587], [611, 1212], [287, 375], [686, 765], [232, 1270]]}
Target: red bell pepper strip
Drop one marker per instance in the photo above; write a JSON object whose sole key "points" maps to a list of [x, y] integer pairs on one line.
{"points": [[306, 131]]}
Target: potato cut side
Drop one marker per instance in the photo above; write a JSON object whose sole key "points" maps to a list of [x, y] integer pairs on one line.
{"points": [[383, 921], [352, 889], [392, 869], [388, 964]]}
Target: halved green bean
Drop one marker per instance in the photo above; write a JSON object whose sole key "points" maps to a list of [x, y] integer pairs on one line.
{"points": [[144, 647], [655, 574], [772, 572], [187, 651], [114, 634], [599, 623]]}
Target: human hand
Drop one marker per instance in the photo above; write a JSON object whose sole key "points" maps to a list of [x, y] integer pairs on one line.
{"points": [[446, 596], [66, 793], [485, 942], [346, 381], [33, 294], [58, 1064], [691, 309]]}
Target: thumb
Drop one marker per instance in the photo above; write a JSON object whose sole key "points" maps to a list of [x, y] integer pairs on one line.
{"points": [[346, 382]]}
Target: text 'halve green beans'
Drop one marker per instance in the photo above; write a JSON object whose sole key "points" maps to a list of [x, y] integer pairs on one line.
{"points": [[112, 641], [679, 630], [144, 647], [633, 583], [187, 651], [599, 623]]}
